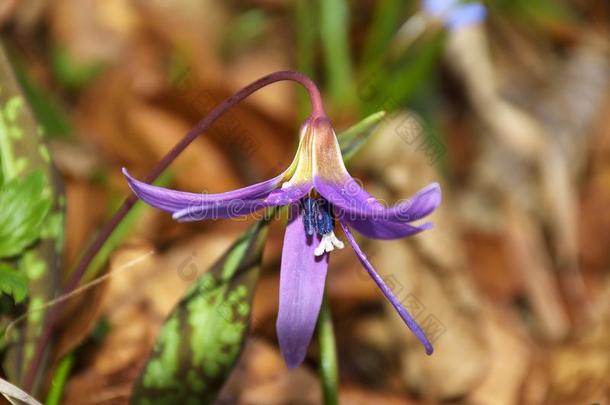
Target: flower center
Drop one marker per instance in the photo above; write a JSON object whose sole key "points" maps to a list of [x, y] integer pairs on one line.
{"points": [[318, 219]]}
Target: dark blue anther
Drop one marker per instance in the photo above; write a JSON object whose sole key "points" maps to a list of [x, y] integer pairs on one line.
{"points": [[309, 215], [324, 219], [316, 216]]}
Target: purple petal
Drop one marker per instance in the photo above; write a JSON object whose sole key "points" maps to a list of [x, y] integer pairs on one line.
{"points": [[379, 228], [229, 209], [349, 196], [420, 205], [172, 200], [354, 202], [302, 281], [288, 193], [464, 15], [438, 8], [404, 314], [240, 207]]}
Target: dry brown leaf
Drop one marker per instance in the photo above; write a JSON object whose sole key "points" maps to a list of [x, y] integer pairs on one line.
{"points": [[92, 30], [453, 327], [271, 56], [261, 377], [85, 210], [359, 396], [200, 168], [526, 256], [106, 126], [509, 357], [7, 9]]}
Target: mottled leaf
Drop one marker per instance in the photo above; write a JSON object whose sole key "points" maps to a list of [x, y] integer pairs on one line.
{"points": [[201, 340], [25, 156], [25, 205]]}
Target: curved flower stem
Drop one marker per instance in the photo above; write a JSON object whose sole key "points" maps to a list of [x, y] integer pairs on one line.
{"points": [[329, 375], [102, 237]]}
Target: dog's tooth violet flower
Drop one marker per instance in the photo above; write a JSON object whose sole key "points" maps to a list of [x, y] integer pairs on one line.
{"points": [[455, 14], [319, 192]]}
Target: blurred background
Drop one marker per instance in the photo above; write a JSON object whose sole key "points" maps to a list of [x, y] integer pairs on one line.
{"points": [[510, 114]]}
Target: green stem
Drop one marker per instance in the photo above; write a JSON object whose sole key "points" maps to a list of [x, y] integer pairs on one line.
{"points": [[334, 28], [329, 374], [59, 380]]}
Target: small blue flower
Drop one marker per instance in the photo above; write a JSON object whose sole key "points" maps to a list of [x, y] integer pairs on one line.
{"points": [[455, 14]]}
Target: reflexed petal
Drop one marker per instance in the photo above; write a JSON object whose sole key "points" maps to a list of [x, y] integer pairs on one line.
{"points": [[404, 314], [302, 281], [238, 207], [333, 182], [172, 200], [379, 228], [420, 205], [355, 203]]}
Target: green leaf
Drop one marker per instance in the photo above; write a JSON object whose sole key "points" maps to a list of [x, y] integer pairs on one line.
{"points": [[13, 282], [334, 26], [386, 21], [390, 87], [25, 204], [203, 337], [539, 12], [46, 106], [24, 226], [73, 73]]}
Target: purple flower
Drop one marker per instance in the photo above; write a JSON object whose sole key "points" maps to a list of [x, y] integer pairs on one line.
{"points": [[455, 14], [319, 192]]}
